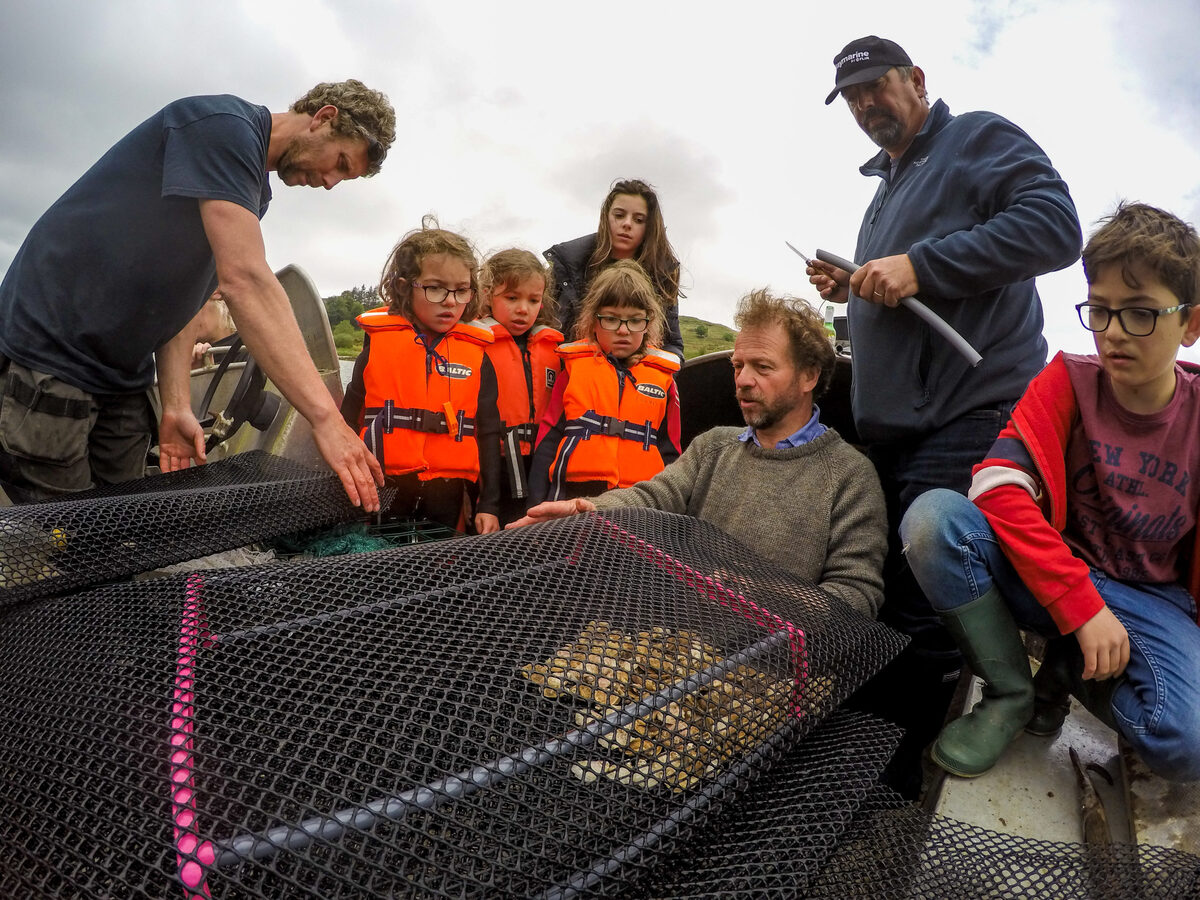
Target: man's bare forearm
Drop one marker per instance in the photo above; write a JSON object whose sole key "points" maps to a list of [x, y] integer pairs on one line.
{"points": [[173, 362]]}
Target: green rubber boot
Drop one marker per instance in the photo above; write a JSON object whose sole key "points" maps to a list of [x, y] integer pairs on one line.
{"points": [[991, 644]]}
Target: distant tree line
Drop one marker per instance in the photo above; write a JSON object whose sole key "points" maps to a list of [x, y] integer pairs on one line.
{"points": [[344, 309], [348, 305]]}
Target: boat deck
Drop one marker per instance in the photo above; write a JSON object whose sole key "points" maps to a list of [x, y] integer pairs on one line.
{"points": [[1161, 812], [1033, 791]]}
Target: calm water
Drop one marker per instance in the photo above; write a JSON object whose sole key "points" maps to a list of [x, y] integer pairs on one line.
{"points": [[347, 366]]}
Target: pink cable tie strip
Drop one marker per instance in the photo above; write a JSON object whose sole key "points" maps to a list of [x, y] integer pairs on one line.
{"points": [[193, 857], [710, 587]]}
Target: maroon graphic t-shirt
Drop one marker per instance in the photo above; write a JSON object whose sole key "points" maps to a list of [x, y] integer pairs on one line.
{"points": [[1131, 478]]}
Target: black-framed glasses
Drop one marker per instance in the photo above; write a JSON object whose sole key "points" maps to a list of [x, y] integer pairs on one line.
{"points": [[1138, 321], [614, 323], [435, 293]]}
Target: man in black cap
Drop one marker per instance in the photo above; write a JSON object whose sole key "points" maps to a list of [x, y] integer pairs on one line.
{"points": [[969, 211]]}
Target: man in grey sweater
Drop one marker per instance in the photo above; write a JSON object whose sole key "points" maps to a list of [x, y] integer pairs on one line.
{"points": [[786, 485]]}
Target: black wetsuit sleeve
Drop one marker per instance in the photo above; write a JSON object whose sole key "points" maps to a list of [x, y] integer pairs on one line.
{"points": [[487, 437], [550, 435], [356, 390], [668, 430], [568, 284]]}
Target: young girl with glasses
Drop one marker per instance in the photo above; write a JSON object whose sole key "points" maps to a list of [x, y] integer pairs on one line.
{"points": [[613, 419], [423, 393], [518, 297]]}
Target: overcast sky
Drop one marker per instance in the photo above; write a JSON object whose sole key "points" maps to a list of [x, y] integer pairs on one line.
{"points": [[515, 117]]}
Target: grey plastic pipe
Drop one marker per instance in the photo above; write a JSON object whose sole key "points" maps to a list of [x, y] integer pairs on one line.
{"points": [[936, 322]]}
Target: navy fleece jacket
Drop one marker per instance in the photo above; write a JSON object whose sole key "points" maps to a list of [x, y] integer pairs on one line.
{"points": [[980, 211]]}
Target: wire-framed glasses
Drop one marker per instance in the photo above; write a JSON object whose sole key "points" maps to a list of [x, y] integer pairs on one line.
{"points": [[435, 293]]}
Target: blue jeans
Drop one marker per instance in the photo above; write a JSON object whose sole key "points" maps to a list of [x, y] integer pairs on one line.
{"points": [[1156, 703]]}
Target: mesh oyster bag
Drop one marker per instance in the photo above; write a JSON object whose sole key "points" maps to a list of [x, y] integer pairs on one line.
{"points": [[550, 711], [820, 825], [123, 529], [897, 850], [776, 840]]}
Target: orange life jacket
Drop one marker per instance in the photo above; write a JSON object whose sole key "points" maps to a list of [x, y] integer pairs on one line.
{"points": [[524, 380], [612, 431], [420, 403]]}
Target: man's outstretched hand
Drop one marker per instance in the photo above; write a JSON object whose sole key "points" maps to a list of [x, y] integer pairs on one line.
{"points": [[354, 464], [554, 509]]}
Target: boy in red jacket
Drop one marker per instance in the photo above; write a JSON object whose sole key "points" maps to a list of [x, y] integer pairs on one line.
{"points": [[1080, 523]]}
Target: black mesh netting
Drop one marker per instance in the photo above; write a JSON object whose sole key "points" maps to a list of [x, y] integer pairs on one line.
{"points": [[895, 850], [120, 530], [777, 837], [628, 703], [545, 711], [820, 826]]}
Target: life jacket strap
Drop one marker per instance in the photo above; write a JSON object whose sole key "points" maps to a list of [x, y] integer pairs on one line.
{"points": [[591, 423], [390, 417], [526, 432], [514, 463]]}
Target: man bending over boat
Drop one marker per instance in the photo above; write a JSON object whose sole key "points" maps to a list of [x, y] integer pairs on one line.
{"points": [[106, 283], [786, 486]]}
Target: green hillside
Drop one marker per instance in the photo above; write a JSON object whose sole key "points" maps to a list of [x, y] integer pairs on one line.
{"points": [[700, 337]]}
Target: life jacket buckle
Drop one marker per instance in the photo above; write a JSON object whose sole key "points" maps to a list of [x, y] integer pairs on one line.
{"points": [[431, 422], [613, 427]]}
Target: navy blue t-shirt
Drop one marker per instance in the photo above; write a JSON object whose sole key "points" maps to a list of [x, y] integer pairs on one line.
{"points": [[120, 263]]}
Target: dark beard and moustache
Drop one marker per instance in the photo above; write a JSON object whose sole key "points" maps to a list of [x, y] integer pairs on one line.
{"points": [[883, 130], [765, 416], [286, 166], [291, 163]]}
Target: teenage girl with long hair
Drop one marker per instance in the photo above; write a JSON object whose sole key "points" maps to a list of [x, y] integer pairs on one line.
{"points": [[631, 227]]}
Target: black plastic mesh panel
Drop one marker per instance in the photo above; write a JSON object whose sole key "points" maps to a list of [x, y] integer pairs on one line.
{"points": [[780, 833], [897, 850], [116, 531], [819, 825], [396, 723]]}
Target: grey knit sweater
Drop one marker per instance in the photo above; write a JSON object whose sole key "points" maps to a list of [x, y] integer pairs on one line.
{"points": [[815, 510]]}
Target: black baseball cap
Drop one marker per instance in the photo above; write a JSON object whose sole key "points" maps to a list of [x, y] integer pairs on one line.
{"points": [[865, 60]]}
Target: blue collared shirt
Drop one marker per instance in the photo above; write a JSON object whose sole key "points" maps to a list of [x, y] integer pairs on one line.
{"points": [[810, 432]]}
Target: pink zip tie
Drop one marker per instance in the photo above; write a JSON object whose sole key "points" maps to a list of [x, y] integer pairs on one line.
{"points": [[709, 587], [193, 857]]}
